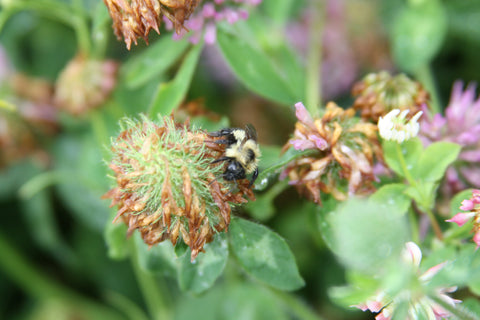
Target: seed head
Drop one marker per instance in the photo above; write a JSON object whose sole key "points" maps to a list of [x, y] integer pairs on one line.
{"points": [[344, 151], [135, 18], [379, 93], [166, 184]]}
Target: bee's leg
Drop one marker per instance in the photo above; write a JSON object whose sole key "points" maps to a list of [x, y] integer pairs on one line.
{"points": [[221, 159], [220, 133], [254, 177]]}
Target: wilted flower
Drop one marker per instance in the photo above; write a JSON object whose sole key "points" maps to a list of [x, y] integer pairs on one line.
{"points": [[471, 205], [343, 151], [419, 304], [395, 127], [85, 84], [461, 125], [204, 21], [26, 114], [167, 186], [379, 93], [135, 18]]}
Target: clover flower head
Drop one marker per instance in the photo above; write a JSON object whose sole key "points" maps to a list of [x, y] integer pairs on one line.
{"points": [[394, 125], [166, 185], [419, 304], [380, 93], [85, 84], [472, 206], [343, 149], [203, 22], [135, 18], [461, 125]]}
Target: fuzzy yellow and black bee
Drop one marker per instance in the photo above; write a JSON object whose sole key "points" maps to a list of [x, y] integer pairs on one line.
{"points": [[242, 152]]}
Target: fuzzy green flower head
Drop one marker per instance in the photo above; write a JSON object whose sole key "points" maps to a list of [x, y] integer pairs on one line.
{"points": [[166, 183]]}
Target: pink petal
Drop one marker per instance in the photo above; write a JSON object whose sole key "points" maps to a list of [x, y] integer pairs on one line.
{"points": [[461, 218], [467, 205], [302, 144], [476, 239], [208, 10], [428, 275], [374, 306], [210, 34], [303, 115], [319, 142]]}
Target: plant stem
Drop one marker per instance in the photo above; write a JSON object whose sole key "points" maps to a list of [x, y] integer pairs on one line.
{"points": [[298, 307], [314, 59], [40, 182], [153, 289], [39, 286], [414, 226], [435, 226], [81, 29], [424, 75], [403, 164]]}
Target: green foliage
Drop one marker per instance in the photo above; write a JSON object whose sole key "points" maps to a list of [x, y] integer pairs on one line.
{"points": [[155, 60], [170, 94], [200, 275], [410, 149], [418, 34], [264, 255], [434, 161], [253, 67], [367, 236]]}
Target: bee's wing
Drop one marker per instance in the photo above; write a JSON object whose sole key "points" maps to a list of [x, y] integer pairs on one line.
{"points": [[250, 131]]}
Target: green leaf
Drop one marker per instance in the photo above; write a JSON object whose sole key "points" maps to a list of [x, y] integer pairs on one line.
{"points": [[264, 255], [435, 160], [423, 193], [367, 235], [238, 300], [79, 158], [152, 62], [418, 34], [254, 68], [278, 11], [272, 164], [411, 150], [159, 258], [392, 198], [170, 94], [201, 274], [324, 212]]}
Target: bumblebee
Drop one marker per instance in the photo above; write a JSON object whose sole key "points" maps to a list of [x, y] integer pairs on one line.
{"points": [[242, 152]]}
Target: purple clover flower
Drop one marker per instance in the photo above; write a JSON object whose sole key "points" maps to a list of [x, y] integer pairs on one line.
{"points": [[203, 23], [461, 125]]}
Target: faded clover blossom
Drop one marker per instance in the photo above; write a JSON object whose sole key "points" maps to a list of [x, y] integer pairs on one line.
{"points": [[420, 306], [203, 22], [85, 84], [343, 151], [134, 19], [471, 205], [379, 93], [394, 125], [461, 125], [166, 184]]}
